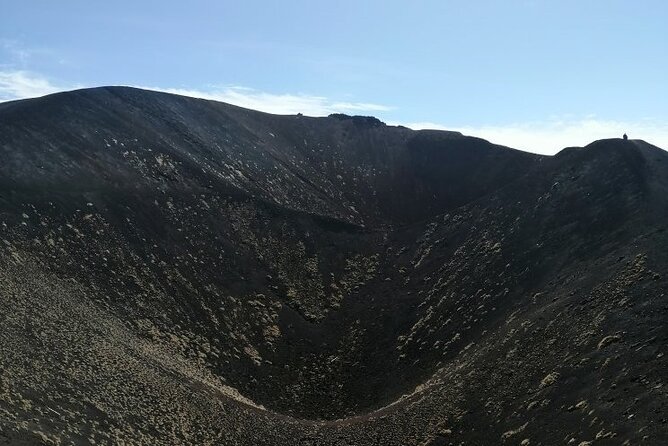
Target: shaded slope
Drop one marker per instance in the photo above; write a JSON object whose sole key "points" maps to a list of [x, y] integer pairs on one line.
{"points": [[186, 216], [361, 174], [506, 287]]}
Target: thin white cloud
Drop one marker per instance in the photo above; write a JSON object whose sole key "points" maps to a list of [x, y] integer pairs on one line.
{"points": [[283, 104], [23, 84], [551, 136], [18, 84], [16, 53]]}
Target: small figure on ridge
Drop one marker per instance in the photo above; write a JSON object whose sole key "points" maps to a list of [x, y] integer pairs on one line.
{"points": [[625, 137]]}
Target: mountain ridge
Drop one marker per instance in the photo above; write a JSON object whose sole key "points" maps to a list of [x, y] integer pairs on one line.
{"points": [[168, 264]]}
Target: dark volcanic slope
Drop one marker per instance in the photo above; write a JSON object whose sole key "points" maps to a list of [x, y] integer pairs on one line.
{"points": [[180, 271]]}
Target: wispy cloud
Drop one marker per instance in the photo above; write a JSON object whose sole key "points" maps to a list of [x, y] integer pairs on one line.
{"points": [[19, 84], [15, 53], [279, 103], [23, 84], [548, 137]]}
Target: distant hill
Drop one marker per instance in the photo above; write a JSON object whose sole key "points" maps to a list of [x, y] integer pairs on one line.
{"points": [[182, 271]]}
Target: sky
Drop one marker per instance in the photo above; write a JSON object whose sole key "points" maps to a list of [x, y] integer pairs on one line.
{"points": [[536, 75]]}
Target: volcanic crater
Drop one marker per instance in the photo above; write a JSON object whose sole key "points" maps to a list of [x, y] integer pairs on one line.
{"points": [[182, 271]]}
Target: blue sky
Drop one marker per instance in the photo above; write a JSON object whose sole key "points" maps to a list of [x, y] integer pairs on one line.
{"points": [[533, 74]]}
